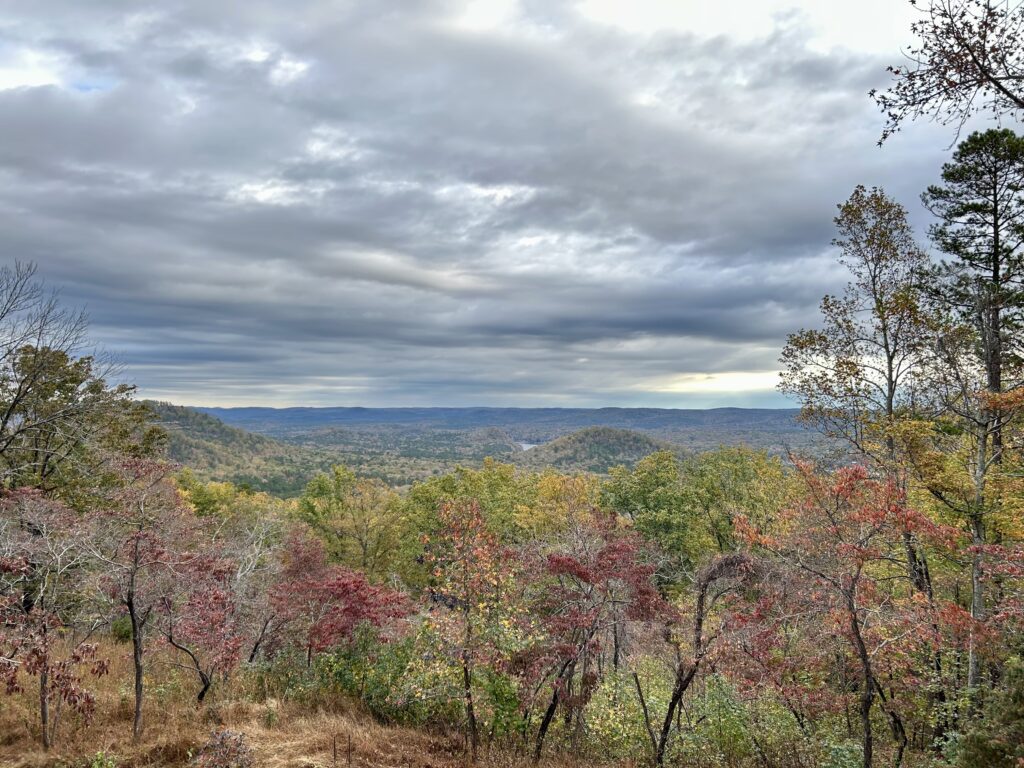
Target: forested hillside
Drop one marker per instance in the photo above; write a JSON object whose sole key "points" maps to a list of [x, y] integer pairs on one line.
{"points": [[219, 452], [595, 449]]}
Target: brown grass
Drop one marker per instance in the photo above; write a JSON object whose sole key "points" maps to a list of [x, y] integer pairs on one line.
{"points": [[281, 735]]}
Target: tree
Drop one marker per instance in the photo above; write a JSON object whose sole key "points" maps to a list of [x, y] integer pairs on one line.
{"points": [[686, 507], [980, 211], [844, 541], [560, 500], [977, 363], [44, 628], [202, 623], [725, 574], [853, 377], [471, 577], [998, 742], [359, 518], [589, 583], [321, 605], [59, 417], [856, 378], [720, 484], [651, 496], [133, 539], [969, 59]]}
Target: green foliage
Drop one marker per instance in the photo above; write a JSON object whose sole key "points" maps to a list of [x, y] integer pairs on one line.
{"points": [[721, 731], [361, 520], [498, 488], [998, 740], [842, 754], [102, 760], [121, 629], [687, 506], [63, 421], [614, 716], [393, 679]]}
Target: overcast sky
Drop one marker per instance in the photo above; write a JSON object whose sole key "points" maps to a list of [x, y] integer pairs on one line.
{"points": [[435, 202]]}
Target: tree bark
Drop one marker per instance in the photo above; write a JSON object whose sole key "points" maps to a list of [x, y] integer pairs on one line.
{"points": [[44, 704], [133, 616], [867, 696], [467, 684]]}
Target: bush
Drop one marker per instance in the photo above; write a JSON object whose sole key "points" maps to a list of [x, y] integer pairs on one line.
{"points": [[225, 749], [998, 740], [102, 760], [121, 629]]}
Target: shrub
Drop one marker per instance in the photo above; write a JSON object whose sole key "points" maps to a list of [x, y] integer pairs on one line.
{"points": [[998, 740], [225, 749], [121, 629], [102, 760]]}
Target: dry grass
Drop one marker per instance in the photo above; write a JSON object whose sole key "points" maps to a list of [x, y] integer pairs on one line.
{"points": [[282, 735]]}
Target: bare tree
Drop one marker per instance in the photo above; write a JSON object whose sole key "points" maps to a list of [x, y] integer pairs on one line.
{"points": [[134, 540], [969, 59]]}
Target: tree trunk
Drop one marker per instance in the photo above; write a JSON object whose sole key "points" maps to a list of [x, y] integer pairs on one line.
{"points": [[44, 704], [899, 731], [647, 715], [206, 682], [545, 723], [977, 525], [867, 695], [684, 676], [133, 616], [467, 684], [259, 642], [567, 670], [977, 600]]}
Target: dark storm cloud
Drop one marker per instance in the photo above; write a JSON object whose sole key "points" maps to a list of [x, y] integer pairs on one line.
{"points": [[363, 203]]}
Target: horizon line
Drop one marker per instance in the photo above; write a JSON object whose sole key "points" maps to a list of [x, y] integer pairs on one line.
{"points": [[471, 407]]}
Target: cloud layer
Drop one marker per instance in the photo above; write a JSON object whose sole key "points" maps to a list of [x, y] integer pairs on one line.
{"points": [[416, 203]]}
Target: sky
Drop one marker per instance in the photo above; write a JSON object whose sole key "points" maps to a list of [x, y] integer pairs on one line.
{"points": [[440, 202]]}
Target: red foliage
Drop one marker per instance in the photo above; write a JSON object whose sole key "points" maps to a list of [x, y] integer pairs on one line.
{"points": [[201, 623], [323, 604], [43, 632], [586, 593], [843, 605]]}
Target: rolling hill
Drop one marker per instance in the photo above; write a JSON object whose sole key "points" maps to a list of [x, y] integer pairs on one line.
{"points": [[594, 449], [279, 450], [216, 451], [771, 429]]}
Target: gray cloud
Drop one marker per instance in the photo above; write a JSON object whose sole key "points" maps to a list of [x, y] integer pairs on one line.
{"points": [[360, 203]]}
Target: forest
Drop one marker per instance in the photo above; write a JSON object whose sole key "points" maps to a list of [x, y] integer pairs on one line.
{"points": [[860, 605]]}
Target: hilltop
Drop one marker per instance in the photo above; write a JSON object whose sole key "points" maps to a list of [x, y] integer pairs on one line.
{"points": [[594, 449]]}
